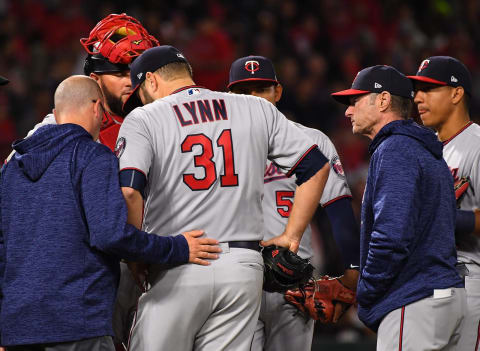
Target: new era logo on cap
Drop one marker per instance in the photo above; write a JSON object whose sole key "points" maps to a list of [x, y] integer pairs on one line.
{"points": [[444, 70], [252, 68], [377, 79]]}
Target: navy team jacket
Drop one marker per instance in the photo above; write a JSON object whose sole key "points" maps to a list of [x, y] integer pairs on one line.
{"points": [[62, 233], [407, 244]]}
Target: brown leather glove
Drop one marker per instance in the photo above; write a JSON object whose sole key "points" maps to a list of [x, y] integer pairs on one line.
{"points": [[316, 299]]}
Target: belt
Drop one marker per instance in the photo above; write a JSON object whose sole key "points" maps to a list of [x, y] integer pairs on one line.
{"points": [[252, 245]]}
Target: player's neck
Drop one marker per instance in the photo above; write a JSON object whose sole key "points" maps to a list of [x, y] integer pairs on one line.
{"points": [[177, 84], [452, 125]]}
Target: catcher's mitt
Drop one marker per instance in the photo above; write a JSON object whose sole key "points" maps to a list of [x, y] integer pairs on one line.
{"points": [[316, 299], [284, 269], [460, 187]]}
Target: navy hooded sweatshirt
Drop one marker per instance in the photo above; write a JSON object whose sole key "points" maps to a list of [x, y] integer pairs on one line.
{"points": [[407, 243], [62, 233]]}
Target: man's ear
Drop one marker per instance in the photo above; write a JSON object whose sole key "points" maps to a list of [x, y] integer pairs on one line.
{"points": [[95, 76], [384, 100], [457, 94], [278, 92], [97, 108], [151, 82]]}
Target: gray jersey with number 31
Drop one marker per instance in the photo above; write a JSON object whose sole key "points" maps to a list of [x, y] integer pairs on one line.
{"points": [[204, 154]]}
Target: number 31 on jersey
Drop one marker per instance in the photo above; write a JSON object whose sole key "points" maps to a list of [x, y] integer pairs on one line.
{"points": [[205, 160]]}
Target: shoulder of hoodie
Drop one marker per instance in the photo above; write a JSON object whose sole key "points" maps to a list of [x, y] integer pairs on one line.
{"points": [[89, 150], [401, 147]]}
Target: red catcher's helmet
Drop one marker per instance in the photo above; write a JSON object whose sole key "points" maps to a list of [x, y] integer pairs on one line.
{"points": [[115, 42]]}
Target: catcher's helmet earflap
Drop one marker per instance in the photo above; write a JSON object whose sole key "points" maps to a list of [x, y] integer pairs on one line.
{"points": [[114, 43]]}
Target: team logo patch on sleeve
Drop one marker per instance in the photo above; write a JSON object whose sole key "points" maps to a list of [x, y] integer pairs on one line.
{"points": [[337, 166], [120, 146]]}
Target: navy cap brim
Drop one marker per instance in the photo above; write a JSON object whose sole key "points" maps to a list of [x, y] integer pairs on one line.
{"points": [[132, 101], [252, 80], [427, 80], [343, 96], [3, 80]]}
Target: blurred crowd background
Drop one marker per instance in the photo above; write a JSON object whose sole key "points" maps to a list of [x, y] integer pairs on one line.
{"points": [[317, 47]]}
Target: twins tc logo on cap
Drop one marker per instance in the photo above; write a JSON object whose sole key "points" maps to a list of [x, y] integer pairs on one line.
{"points": [[252, 66], [423, 65]]}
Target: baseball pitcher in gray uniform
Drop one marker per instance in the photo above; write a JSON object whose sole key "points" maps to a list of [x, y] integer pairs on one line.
{"points": [[443, 89], [280, 326], [195, 158]]}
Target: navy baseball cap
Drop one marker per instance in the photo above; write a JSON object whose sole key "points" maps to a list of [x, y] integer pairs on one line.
{"points": [[149, 61], [376, 79], [252, 68], [444, 70], [3, 80]]}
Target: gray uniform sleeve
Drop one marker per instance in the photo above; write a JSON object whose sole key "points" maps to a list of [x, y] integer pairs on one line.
{"points": [[134, 143], [49, 119], [336, 186], [287, 143]]}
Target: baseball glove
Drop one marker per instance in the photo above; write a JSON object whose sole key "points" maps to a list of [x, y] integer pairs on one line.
{"points": [[284, 269], [316, 299], [460, 187]]}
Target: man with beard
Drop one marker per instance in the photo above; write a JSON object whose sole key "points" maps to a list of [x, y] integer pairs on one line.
{"points": [[111, 46]]}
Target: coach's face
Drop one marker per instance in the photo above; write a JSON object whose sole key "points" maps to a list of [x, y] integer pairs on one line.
{"points": [[433, 103], [362, 114], [116, 87]]}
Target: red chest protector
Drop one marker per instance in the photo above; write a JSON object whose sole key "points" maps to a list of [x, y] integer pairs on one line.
{"points": [[109, 132]]}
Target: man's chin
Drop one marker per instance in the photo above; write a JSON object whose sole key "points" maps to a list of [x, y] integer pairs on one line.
{"points": [[426, 122]]}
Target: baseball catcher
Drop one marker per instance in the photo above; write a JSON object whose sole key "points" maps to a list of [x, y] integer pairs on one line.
{"points": [[318, 299], [284, 269]]}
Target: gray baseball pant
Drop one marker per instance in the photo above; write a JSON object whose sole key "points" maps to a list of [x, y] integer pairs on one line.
{"points": [[432, 323]]}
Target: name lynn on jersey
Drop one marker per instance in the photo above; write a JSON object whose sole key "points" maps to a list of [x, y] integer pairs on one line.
{"points": [[201, 111]]}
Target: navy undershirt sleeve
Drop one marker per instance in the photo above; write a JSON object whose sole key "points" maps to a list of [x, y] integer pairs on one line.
{"points": [[345, 231], [311, 163], [133, 178]]}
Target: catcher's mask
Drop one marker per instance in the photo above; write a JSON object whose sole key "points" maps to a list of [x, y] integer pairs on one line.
{"points": [[114, 43]]}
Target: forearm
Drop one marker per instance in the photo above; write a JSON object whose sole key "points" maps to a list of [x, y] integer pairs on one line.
{"points": [[307, 197], [345, 231], [134, 202], [350, 278]]}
